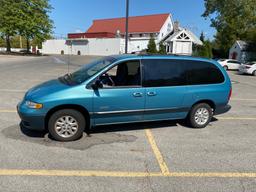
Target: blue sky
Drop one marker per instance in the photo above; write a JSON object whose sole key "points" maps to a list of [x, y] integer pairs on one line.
{"points": [[77, 15]]}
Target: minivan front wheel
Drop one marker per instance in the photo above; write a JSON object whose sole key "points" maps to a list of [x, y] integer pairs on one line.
{"points": [[66, 125], [200, 115]]}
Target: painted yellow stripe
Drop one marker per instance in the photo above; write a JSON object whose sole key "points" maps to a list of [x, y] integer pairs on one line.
{"points": [[212, 174], [159, 157], [7, 111], [240, 99], [72, 173], [236, 118], [28, 172]]}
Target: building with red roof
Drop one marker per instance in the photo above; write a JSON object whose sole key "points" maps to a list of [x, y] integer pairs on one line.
{"points": [[101, 37]]}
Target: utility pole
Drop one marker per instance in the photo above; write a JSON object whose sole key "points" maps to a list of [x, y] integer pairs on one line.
{"points": [[126, 26]]}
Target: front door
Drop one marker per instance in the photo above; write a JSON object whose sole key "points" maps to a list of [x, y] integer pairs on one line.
{"points": [[164, 81], [122, 98]]}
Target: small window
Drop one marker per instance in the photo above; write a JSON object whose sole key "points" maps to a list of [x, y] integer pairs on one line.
{"points": [[123, 75], [168, 72], [199, 72], [163, 72]]}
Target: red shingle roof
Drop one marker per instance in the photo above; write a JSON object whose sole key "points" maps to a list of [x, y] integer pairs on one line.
{"points": [[137, 24]]}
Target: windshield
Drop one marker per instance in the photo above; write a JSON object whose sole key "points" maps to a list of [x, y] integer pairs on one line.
{"points": [[87, 71]]}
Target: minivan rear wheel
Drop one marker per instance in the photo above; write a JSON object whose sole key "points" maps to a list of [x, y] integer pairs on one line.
{"points": [[200, 115], [66, 125]]}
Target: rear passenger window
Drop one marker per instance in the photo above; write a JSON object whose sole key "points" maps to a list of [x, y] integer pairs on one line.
{"points": [[170, 72], [199, 72], [163, 72]]}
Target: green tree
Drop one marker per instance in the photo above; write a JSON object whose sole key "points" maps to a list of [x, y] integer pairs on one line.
{"points": [[202, 37], [36, 22], [28, 18], [204, 50], [162, 49], [10, 19], [233, 20], [152, 45]]}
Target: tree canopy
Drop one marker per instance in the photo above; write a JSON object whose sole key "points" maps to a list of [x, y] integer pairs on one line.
{"points": [[28, 18], [233, 20]]}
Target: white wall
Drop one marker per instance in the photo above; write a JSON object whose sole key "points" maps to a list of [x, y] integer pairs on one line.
{"points": [[137, 45], [182, 47], [235, 48], [110, 46], [55, 46], [93, 46], [166, 28]]}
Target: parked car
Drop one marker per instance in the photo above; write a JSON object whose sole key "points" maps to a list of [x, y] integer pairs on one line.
{"points": [[248, 68], [229, 64], [126, 89]]}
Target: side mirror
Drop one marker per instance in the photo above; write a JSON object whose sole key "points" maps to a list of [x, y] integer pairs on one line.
{"points": [[97, 84]]}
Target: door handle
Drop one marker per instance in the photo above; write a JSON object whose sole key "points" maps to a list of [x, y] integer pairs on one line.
{"points": [[151, 93], [137, 94]]}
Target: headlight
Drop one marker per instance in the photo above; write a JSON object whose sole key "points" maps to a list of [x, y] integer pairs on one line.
{"points": [[34, 105]]}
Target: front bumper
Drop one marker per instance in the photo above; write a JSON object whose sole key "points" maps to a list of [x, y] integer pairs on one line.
{"points": [[31, 118], [222, 109]]}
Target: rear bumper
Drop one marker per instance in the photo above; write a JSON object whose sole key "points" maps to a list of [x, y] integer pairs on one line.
{"points": [[222, 109]]}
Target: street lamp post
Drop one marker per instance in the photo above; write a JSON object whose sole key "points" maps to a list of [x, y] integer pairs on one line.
{"points": [[126, 26]]}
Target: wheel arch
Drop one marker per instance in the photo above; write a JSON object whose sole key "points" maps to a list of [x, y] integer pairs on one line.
{"points": [[79, 108], [207, 101]]}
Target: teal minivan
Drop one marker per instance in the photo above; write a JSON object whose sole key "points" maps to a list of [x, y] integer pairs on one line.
{"points": [[127, 89]]}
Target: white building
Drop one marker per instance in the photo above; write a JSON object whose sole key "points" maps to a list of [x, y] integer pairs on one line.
{"points": [[106, 37], [243, 51]]}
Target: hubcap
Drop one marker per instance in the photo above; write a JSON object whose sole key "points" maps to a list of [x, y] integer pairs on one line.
{"points": [[66, 126], [202, 116]]}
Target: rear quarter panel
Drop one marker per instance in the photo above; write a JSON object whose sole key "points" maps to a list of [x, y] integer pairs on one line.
{"points": [[217, 93]]}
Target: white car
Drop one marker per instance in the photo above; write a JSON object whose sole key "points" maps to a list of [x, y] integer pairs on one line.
{"points": [[229, 64], [248, 68]]}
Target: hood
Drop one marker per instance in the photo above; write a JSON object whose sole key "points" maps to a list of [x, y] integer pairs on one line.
{"points": [[44, 89]]}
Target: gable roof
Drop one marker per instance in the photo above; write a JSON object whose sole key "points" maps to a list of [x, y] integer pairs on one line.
{"points": [[188, 33], [246, 46], [137, 24]]}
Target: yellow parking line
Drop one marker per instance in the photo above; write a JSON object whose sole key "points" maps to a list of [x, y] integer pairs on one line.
{"points": [[240, 99], [159, 157], [7, 111], [84, 173], [212, 174], [69, 173], [236, 118]]}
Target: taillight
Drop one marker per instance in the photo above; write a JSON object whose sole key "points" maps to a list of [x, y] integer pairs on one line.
{"points": [[230, 93]]}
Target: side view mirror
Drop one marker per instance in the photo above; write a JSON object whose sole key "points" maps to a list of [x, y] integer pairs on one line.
{"points": [[97, 84]]}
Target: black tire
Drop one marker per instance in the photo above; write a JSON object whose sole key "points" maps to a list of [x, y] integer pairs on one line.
{"points": [[192, 115], [254, 73], [225, 67], [79, 120]]}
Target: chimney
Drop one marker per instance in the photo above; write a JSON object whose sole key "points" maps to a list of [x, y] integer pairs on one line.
{"points": [[176, 26]]}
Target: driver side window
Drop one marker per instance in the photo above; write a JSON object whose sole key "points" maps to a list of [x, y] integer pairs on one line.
{"points": [[125, 74]]}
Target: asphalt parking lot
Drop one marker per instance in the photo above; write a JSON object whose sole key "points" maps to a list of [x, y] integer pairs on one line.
{"points": [[161, 156]]}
